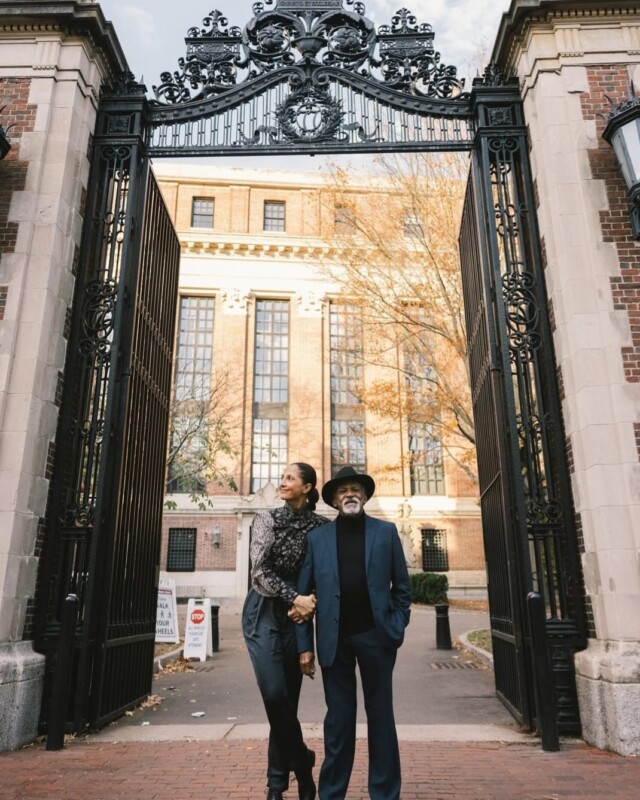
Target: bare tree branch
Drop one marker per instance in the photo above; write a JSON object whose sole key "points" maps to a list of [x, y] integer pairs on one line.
{"points": [[398, 260], [200, 442]]}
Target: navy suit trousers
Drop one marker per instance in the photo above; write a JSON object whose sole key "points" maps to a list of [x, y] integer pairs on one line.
{"points": [[375, 662]]}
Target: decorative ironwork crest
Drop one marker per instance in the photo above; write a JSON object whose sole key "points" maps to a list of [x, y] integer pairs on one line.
{"points": [[308, 71], [311, 114], [309, 35]]}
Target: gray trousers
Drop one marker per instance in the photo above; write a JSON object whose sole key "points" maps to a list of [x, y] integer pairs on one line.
{"points": [[271, 641]]}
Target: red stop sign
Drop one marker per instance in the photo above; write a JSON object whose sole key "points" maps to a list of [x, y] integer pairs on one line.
{"points": [[197, 616]]}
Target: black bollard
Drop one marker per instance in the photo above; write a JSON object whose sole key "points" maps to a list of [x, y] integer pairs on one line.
{"points": [[543, 679], [215, 629], [61, 688], [443, 630]]}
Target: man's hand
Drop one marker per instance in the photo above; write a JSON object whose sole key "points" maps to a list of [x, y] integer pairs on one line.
{"points": [[303, 608], [307, 662]]}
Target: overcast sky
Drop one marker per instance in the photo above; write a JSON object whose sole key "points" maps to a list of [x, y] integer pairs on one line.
{"points": [[152, 32]]}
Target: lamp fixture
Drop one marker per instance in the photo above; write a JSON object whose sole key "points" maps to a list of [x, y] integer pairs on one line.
{"points": [[215, 538], [622, 132], [5, 146]]}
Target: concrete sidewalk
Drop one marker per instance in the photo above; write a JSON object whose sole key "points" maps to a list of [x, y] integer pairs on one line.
{"points": [[457, 740], [439, 694]]}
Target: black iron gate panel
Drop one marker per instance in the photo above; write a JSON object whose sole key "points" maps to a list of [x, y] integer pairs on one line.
{"points": [[507, 624], [539, 549], [103, 523], [124, 665]]}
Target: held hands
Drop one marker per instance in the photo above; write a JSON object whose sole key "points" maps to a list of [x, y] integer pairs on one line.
{"points": [[303, 608], [307, 664]]}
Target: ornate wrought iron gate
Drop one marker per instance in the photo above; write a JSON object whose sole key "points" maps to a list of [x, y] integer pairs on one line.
{"points": [[104, 520], [303, 76], [527, 515]]}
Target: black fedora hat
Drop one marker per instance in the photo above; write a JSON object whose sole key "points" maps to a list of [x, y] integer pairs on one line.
{"points": [[347, 475]]}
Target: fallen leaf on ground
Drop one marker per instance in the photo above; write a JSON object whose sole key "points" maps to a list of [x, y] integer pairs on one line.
{"points": [[151, 701]]}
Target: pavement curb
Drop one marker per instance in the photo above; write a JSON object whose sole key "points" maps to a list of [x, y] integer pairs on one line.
{"points": [[232, 732], [166, 658], [483, 655]]}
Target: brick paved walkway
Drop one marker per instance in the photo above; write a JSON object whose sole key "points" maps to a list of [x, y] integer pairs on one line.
{"points": [[87, 770]]}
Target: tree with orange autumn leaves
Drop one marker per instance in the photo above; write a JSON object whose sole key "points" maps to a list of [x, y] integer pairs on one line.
{"points": [[396, 257]]}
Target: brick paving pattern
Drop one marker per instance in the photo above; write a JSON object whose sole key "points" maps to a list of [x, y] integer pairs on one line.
{"points": [[235, 771]]}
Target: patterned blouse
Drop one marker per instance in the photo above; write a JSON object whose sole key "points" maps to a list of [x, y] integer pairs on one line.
{"points": [[278, 547]]}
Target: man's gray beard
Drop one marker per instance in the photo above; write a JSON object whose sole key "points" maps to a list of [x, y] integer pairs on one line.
{"points": [[352, 510]]}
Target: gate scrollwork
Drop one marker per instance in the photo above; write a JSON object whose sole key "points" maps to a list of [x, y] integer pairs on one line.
{"points": [[289, 77], [314, 35], [98, 318]]}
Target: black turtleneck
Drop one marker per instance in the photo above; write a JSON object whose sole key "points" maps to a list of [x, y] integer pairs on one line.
{"points": [[355, 606]]}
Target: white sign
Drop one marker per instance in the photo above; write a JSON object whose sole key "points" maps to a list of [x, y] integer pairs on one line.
{"points": [[198, 641], [167, 613]]}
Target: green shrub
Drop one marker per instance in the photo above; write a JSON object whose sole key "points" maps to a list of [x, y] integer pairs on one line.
{"points": [[429, 587]]}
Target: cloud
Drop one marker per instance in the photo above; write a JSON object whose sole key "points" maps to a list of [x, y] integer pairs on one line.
{"points": [[465, 30], [140, 25]]}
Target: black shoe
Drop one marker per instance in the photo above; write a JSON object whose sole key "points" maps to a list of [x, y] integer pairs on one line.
{"points": [[307, 792], [306, 784], [274, 794]]}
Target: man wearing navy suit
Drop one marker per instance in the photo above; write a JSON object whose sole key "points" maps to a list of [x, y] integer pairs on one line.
{"points": [[357, 569]]}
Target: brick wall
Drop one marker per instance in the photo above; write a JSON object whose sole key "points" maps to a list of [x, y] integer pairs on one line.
{"points": [[464, 541], [17, 117], [613, 82], [208, 557]]}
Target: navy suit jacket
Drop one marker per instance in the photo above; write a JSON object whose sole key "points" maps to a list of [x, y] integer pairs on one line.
{"points": [[387, 580]]}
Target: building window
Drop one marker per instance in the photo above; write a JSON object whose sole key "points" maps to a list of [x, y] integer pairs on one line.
{"points": [[345, 341], [189, 412], [425, 454], [347, 411], [181, 555], [344, 222], [425, 446], [270, 393], [347, 445], [412, 227], [435, 557], [202, 212], [274, 215], [269, 454]]}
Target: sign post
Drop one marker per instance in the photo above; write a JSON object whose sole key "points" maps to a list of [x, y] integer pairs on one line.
{"points": [[197, 636], [167, 613]]}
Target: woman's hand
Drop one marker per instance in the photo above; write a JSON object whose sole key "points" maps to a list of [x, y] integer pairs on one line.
{"points": [[307, 664], [303, 608]]}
